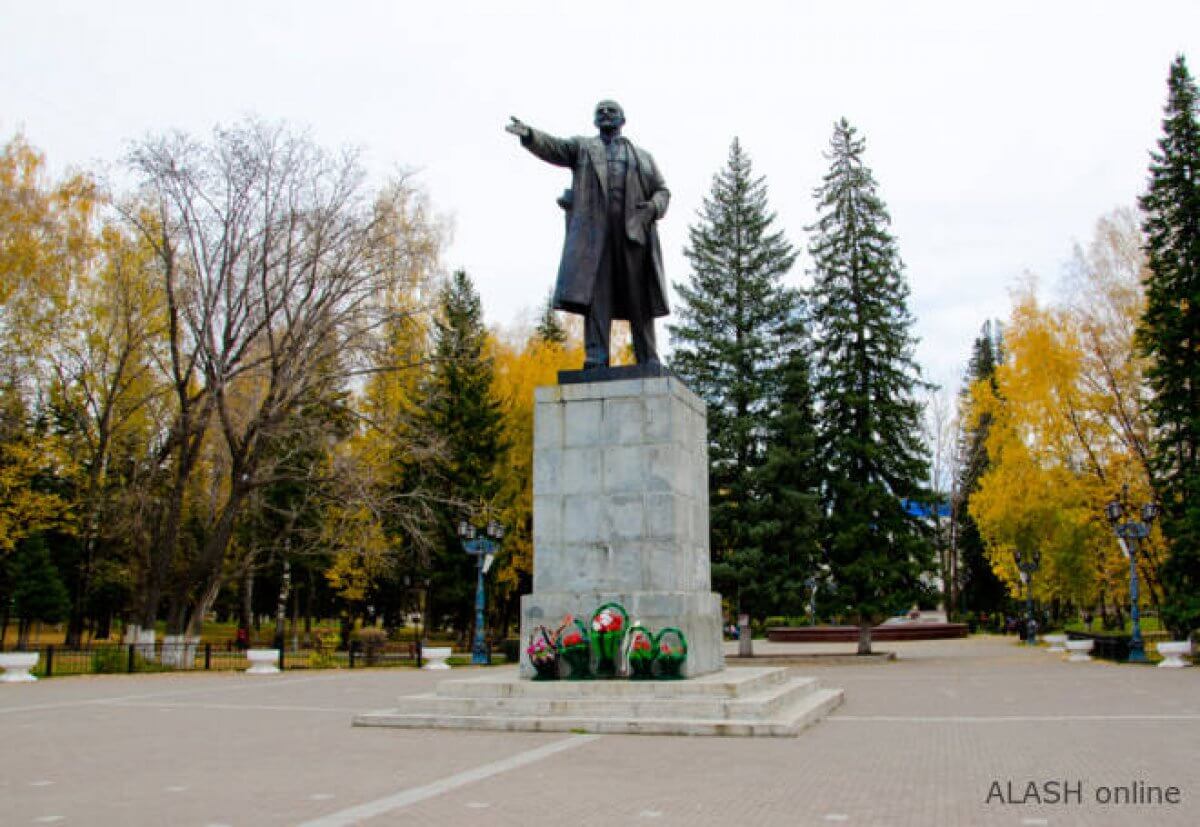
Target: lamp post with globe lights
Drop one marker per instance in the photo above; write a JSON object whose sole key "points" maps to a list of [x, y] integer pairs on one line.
{"points": [[482, 544], [1028, 564], [1130, 532]]}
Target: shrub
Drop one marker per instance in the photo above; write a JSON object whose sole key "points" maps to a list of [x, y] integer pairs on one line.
{"points": [[113, 659], [372, 640], [322, 654], [318, 659]]}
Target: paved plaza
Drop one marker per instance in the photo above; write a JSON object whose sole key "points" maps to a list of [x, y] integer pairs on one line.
{"points": [[919, 741]]}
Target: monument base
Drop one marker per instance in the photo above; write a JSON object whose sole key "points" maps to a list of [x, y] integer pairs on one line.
{"points": [[620, 508], [613, 373], [745, 701], [698, 614]]}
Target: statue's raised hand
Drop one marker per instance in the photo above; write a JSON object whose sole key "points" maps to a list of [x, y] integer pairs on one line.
{"points": [[516, 127]]}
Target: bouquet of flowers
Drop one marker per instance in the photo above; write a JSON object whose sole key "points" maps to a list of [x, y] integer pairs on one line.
{"points": [[670, 657], [608, 629], [641, 653], [575, 648], [543, 655]]}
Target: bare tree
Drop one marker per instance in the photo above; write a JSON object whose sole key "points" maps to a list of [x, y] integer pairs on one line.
{"points": [[274, 289], [101, 368], [941, 434]]}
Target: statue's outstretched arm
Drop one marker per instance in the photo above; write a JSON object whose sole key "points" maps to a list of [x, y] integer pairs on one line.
{"points": [[559, 151]]}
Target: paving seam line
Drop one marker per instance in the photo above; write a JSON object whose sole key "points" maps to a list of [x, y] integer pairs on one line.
{"points": [[151, 704], [258, 684], [1006, 719], [405, 798]]}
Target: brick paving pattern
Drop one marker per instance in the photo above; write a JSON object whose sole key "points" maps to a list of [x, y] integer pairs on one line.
{"points": [[919, 741]]}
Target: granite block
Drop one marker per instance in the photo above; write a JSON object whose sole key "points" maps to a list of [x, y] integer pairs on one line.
{"points": [[623, 421], [623, 469], [548, 425], [620, 509], [583, 422], [582, 470], [583, 520]]}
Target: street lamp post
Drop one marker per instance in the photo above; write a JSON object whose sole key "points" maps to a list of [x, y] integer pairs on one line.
{"points": [[483, 548], [1130, 532], [421, 586], [1028, 564]]}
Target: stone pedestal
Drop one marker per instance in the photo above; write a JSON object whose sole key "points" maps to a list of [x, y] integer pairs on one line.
{"points": [[745, 701], [620, 511]]}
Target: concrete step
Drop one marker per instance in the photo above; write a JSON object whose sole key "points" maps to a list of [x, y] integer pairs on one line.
{"points": [[808, 708], [764, 703], [729, 683]]}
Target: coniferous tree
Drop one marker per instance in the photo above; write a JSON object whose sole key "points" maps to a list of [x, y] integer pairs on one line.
{"points": [[785, 512], [549, 329], [38, 594], [730, 341], [1169, 336], [980, 589], [463, 413], [866, 382]]}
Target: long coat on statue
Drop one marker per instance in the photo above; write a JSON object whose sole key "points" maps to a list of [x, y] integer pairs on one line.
{"points": [[587, 219]]}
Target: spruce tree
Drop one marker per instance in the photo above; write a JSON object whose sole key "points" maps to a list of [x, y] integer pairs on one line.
{"points": [[549, 330], [980, 589], [1169, 336], [729, 343], [866, 382], [786, 515], [38, 593], [463, 412]]}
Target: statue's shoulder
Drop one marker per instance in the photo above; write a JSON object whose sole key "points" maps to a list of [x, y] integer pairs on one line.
{"points": [[643, 155]]}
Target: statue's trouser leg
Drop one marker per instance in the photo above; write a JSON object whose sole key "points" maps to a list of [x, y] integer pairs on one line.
{"points": [[597, 322], [641, 321]]}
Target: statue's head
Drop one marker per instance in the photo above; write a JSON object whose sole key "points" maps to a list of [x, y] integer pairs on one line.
{"points": [[610, 117]]}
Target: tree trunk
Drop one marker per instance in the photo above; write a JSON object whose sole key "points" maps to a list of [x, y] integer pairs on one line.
{"points": [[308, 618], [195, 625], [285, 587], [103, 626], [246, 609], [212, 556], [79, 601], [163, 546], [294, 621], [864, 638], [176, 614]]}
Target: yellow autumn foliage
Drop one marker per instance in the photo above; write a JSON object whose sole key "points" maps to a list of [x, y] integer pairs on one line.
{"points": [[521, 364], [1068, 428]]}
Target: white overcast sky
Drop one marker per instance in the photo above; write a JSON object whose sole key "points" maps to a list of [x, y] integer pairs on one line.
{"points": [[999, 133]]}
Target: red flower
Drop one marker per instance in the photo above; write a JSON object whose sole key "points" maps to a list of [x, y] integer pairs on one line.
{"points": [[572, 639], [607, 620], [641, 645]]}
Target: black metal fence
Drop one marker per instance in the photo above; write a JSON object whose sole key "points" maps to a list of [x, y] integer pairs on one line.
{"points": [[1116, 646], [58, 660]]}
